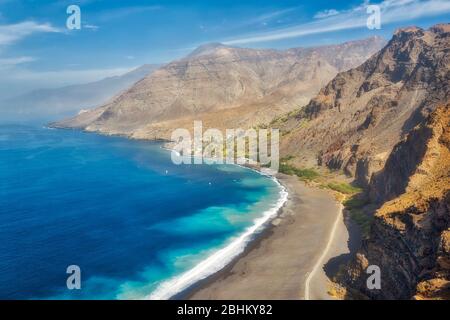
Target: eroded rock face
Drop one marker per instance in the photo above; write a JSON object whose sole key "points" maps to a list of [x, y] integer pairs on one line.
{"points": [[410, 236], [226, 87], [355, 121], [401, 164]]}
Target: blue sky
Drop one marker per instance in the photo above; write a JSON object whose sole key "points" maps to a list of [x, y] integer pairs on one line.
{"points": [[37, 50]]}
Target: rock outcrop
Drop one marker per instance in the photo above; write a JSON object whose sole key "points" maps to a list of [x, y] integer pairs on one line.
{"points": [[410, 236], [226, 87], [355, 121]]}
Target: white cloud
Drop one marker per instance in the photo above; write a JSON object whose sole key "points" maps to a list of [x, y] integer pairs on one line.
{"points": [[262, 19], [271, 15], [91, 27], [391, 11], [10, 62], [12, 33], [326, 13], [403, 10], [15, 32]]}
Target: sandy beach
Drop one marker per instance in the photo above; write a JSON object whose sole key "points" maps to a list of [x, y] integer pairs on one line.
{"points": [[308, 232]]}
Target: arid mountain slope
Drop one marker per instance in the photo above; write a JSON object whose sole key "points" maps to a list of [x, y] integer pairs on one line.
{"points": [[410, 236], [354, 122], [224, 87]]}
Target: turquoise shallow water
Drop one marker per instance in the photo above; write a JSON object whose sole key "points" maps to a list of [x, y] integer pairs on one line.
{"points": [[134, 222]]}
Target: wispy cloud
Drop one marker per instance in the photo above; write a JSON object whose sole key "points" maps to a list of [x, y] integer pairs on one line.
{"points": [[92, 27], [391, 11], [15, 32], [10, 62], [270, 16], [12, 33], [326, 13]]}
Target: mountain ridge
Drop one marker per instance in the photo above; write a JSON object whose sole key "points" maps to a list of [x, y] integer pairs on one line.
{"points": [[357, 118], [251, 82]]}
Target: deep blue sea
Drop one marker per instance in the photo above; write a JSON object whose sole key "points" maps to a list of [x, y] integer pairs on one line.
{"points": [[137, 225]]}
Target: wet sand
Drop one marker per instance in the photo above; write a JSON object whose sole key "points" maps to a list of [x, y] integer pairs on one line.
{"points": [[277, 263]]}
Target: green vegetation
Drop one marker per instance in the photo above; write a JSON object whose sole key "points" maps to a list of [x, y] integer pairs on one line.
{"points": [[307, 174], [279, 120], [354, 206], [355, 200], [355, 203], [297, 113], [362, 220], [261, 126], [344, 188], [285, 133], [287, 158], [304, 174]]}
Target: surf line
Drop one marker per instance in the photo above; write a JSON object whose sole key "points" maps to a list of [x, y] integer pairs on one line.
{"points": [[220, 258], [324, 253]]}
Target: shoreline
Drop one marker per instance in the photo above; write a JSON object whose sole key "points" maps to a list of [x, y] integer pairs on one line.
{"points": [[214, 263], [217, 261], [204, 280], [277, 263]]}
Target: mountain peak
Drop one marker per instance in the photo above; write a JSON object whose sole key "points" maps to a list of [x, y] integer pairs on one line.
{"points": [[437, 28], [441, 28], [410, 29], [206, 49], [413, 31]]}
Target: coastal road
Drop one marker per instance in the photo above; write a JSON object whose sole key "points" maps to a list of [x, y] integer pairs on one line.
{"points": [[317, 282]]}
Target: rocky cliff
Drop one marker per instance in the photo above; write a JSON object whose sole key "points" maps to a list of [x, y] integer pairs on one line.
{"points": [[226, 87], [355, 120], [410, 236]]}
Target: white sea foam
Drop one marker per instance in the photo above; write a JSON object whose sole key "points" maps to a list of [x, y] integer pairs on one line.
{"points": [[219, 259]]}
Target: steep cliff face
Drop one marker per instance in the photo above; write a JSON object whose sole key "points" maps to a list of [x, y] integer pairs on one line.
{"points": [[225, 87], [354, 122], [410, 236]]}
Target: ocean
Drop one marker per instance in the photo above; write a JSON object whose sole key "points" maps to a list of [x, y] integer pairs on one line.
{"points": [[137, 225]]}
